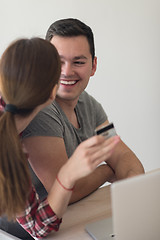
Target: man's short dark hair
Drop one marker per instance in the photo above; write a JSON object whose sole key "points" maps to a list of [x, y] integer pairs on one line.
{"points": [[71, 27]]}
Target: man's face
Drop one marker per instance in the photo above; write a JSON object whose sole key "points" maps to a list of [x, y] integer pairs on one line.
{"points": [[77, 65]]}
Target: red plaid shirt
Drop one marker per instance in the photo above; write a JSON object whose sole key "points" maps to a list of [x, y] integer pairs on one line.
{"points": [[38, 218]]}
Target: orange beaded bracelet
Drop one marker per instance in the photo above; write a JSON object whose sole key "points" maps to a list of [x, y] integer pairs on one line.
{"points": [[68, 189]]}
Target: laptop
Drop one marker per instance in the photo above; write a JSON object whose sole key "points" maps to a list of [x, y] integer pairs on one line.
{"points": [[135, 210]]}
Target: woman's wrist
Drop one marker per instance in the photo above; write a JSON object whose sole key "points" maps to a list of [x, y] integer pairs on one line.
{"points": [[64, 178], [63, 186]]}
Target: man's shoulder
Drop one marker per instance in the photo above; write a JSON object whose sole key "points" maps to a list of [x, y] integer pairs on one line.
{"points": [[86, 97], [52, 111], [89, 106], [53, 107], [48, 122]]}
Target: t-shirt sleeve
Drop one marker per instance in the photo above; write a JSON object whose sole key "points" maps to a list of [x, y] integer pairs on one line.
{"points": [[101, 116], [98, 111], [46, 123]]}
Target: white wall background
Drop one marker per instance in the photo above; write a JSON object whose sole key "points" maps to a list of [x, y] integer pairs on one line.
{"points": [[127, 37]]}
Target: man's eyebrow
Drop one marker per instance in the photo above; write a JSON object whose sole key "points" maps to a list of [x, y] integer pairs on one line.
{"points": [[76, 57], [79, 57]]}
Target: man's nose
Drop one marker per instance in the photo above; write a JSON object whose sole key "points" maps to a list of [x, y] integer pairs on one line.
{"points": [[67, 69]]}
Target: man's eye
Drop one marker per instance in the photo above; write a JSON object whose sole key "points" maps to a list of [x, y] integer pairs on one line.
{"points": [[79, 62]]}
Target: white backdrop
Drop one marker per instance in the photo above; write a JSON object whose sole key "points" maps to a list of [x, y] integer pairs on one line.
{"points": [[127, 38]]}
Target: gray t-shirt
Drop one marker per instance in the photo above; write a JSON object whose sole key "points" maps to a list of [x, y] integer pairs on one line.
{"points": [[52, 121]]}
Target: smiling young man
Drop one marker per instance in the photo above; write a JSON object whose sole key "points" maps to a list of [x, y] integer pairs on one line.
{"points": [[55, 133]]}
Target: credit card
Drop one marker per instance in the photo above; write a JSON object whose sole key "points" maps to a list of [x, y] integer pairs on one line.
{"points": [[107, 131]]}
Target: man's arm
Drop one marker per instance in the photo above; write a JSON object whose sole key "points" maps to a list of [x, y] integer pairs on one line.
{"points": [[47, 155], [89, 184], [124, 162]]}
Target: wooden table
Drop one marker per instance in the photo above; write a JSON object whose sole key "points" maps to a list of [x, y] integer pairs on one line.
{"points": [[94, 207]]}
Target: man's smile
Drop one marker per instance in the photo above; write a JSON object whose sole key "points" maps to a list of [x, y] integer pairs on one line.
{"points": [[67, 82]]}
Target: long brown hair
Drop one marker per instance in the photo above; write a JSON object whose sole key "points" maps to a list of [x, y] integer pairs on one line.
{"points": [[29, 69]]}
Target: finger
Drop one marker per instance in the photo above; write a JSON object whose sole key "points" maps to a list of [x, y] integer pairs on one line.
{"points": [[105, 152], [109, 142], [93, 141]]}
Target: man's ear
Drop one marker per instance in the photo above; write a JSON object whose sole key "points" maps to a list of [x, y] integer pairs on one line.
{"points": [[94, 66], [54, 91]]}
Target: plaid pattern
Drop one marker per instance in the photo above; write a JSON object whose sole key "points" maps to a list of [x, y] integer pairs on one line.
{"points": [[38, 218]]}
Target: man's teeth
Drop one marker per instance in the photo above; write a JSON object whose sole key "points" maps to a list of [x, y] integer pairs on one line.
{"points": [[68, 82]]}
